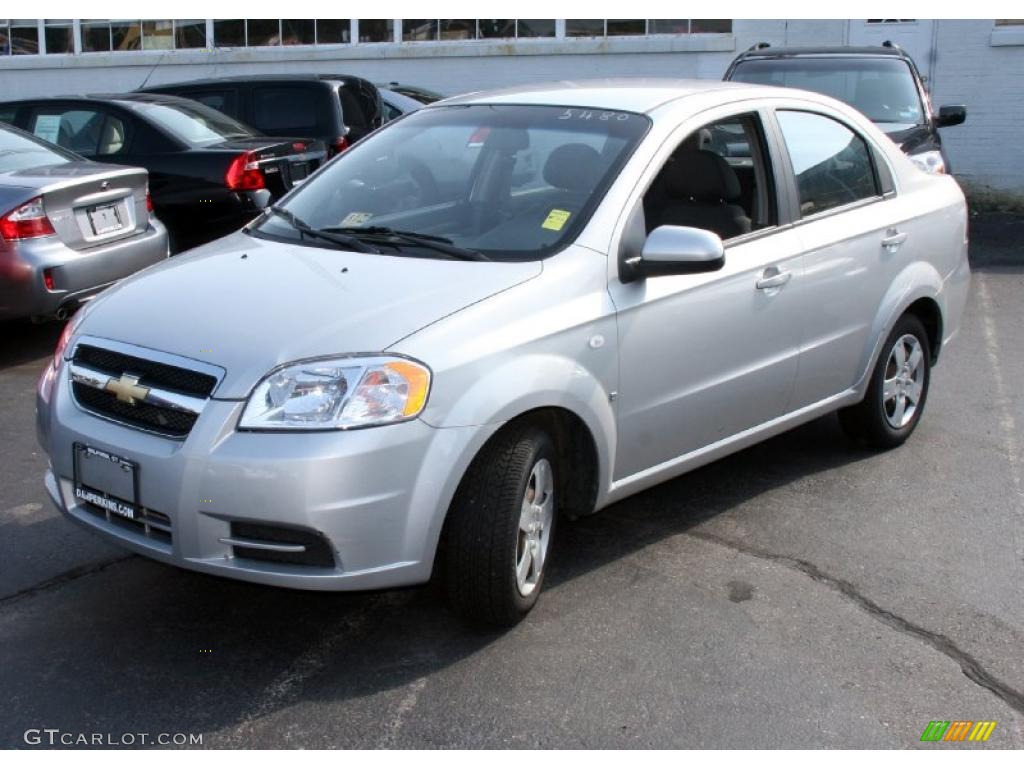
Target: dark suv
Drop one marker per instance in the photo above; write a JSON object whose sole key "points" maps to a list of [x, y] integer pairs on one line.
{"points": [[881, 81], [337, 109]]}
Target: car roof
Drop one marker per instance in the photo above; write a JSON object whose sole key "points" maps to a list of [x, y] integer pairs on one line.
{"points": [[767, 52], [107, 98], [275, 78], [636, 94]]}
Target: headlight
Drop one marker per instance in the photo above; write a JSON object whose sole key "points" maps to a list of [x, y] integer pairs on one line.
{"points": [[929, 162], [338, 393]]}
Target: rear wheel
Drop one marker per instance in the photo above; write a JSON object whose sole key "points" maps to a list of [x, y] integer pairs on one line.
{"points": [[500, 528], [896, 395]]}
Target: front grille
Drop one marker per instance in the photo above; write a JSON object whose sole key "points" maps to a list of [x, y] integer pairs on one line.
{"points": [[143, 415], [149, 523], [317, 554], [150, 372]]}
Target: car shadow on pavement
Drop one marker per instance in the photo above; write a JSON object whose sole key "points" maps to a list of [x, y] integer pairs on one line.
{"points": [[233, 660], [24, 342]]}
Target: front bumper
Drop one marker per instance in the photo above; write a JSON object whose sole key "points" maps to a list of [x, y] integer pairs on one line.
{"points": [[77, 275], [378, 496]]}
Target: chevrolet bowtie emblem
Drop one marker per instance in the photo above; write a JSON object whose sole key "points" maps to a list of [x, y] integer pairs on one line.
{"points": [[127, 389]]}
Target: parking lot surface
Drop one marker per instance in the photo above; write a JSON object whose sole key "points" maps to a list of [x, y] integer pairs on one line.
{"points": [[802, 593]]}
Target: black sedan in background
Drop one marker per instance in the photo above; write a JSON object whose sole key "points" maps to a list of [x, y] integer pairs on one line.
{"points": [[209, 175]]}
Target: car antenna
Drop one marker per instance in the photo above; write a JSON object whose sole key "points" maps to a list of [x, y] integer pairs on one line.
{"points": [[151, 71]]}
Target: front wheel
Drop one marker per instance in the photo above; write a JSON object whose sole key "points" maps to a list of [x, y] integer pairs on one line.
{"points": [[898, 389], [500, 527]]}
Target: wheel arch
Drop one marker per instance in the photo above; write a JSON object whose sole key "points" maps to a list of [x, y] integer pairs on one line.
{"points": [[918, 290]]}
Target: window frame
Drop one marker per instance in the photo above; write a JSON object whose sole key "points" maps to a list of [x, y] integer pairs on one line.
{"points": [[875, 155]]}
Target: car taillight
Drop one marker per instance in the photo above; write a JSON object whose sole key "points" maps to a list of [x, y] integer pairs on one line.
{"points": [[25, 221], [340, 144], [149, 200], [48, 279], [244, 173]]}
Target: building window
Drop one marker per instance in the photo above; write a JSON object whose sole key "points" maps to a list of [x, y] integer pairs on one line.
{"points": [[1009, 22], [19, 36], [584, 28], [60, 36], [158, 35], [710, 26], [190, 33], [229, 33], [260, 32], [458, 29], [625, 27], [668, 26], [126, 35], [376, 30], [535, 27], [330, 31], [416, 30], [298, 31], [487, 28]]}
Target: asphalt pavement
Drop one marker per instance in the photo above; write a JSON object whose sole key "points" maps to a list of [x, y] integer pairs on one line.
{"points": [[803, 593]]}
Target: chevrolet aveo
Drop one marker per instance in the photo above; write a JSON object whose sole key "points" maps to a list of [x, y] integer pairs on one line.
{"points": [[498, 311]]}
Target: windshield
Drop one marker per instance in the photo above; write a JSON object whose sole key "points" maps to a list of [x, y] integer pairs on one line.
{"points": [[192, 122], [883, 89], [509, 182], [18, 152]]}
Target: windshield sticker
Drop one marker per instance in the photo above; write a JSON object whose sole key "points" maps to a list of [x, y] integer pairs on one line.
{"points": [[47, 127], [356, 218], [556, 219]]}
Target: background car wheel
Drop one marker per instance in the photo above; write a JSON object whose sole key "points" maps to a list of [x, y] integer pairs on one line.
{"points": [[500, 527], [898, 389]]}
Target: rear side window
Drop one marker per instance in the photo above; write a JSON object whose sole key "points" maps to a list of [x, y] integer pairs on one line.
{"points": [[280, 111], [222, 101], [85, 131], [831, 163]]}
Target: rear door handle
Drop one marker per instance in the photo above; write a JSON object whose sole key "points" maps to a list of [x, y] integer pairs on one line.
{"points": [[893, 240], [772, 278]]}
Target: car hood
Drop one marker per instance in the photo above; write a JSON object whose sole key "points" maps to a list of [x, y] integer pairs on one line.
{"points": [[248, 305], [910, 138]]}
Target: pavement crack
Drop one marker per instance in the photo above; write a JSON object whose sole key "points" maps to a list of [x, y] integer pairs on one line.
{"points": [[971, 667], [61, 579]]}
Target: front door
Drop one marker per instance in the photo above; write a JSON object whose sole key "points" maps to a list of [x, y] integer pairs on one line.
{"points": [[704, 357]]}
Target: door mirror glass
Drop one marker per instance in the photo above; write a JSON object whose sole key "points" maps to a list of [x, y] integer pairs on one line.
{"points": [[951, 114], [672, 250]]}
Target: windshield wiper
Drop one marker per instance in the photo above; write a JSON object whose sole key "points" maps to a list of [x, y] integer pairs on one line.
{"points": [[345, 241], [433, 242]]}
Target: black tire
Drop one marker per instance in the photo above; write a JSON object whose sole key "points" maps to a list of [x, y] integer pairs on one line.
{"points": [[868, 422], [482, 532]]}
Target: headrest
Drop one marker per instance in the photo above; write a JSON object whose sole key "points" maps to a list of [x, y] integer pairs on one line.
{"points": [[573, 167], [701, 175]]}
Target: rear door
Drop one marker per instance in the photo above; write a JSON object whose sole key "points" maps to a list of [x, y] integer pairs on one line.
{"points": [[850, 254]]}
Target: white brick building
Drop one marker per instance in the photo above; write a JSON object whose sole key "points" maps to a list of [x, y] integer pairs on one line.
{"points": [[979, 63]]}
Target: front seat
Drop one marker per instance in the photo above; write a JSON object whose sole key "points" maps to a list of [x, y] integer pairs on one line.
{"points": [[701, 189]]}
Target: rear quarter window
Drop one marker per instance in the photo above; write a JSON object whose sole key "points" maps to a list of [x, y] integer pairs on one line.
{"points": [[286, 110]]}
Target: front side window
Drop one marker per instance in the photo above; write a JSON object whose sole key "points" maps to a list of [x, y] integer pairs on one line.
{"points": [[832, 164], [510, 182]]}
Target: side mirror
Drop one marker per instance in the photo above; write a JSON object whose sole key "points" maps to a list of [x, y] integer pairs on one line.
{"points": [[670, 250], [951, 114]]}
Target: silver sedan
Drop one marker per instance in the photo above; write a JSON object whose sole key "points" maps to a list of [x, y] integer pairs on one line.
{"points": [[68, 227], [501, 311]]}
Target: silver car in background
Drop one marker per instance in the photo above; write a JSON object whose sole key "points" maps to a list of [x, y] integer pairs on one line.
{"points": [[68, 227], [502, 310]]}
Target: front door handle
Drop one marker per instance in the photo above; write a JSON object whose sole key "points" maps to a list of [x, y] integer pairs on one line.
{"points": [[772, 278], [893, 240]]}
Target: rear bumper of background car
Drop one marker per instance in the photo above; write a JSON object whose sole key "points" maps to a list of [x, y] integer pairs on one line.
{"points": [[77, 275]]}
